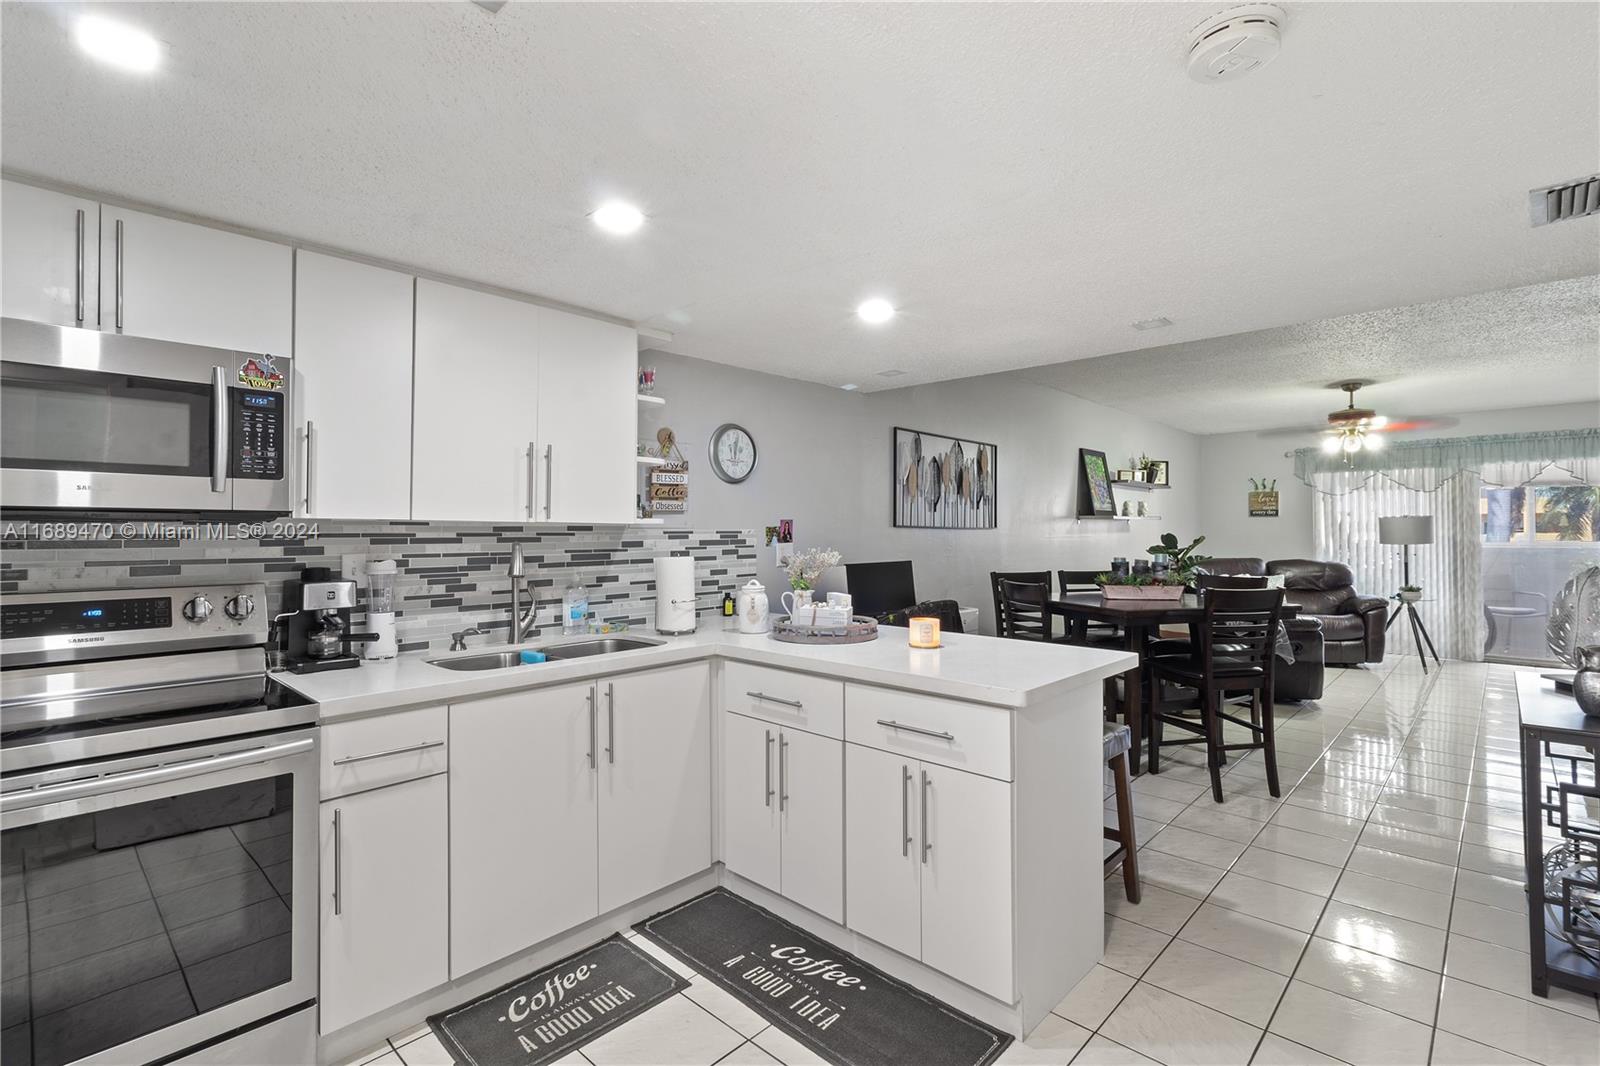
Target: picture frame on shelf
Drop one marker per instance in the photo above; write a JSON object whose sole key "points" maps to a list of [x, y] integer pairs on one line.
{"points": [[1095, 499], [1158, 472]]}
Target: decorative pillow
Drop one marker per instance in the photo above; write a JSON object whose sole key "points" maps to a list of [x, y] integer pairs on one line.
{"points": [[1275, 581]]}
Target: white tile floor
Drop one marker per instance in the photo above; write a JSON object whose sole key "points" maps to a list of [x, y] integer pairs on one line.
{"points": [[1372, 915]]}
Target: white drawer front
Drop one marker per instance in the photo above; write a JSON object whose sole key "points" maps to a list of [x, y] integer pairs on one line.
{"points": [[383, 750], [967, 736], [800, 701]]}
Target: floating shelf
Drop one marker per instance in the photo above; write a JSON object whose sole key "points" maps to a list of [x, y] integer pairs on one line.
{"points": [[650, 460], [657, 400], [648, 522], [1142, 486]]}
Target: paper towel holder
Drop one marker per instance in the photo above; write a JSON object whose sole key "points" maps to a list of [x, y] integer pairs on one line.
{"points": [[675, 594]]}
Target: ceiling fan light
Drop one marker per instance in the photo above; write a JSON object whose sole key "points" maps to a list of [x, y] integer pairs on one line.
{"points": [[1352, 444], [1372, 442], [1330, 444]]}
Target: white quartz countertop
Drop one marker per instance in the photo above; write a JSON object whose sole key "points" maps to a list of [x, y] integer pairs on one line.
{"points": [[1006, 673]]}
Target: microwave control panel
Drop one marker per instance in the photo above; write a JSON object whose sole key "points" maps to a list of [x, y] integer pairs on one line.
{"points": [[257, 435]]}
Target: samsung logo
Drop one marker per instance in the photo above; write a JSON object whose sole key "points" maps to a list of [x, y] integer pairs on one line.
{"points": [[84, 640]]}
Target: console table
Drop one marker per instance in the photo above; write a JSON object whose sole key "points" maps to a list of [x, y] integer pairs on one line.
{"points": [[1559, 748]]}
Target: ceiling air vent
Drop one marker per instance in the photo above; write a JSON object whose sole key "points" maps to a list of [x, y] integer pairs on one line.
{"points": [[1570, 199]]}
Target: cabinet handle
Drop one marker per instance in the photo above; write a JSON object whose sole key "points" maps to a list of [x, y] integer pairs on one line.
{"points": [[927, 845], [768, 761], [905, 810], [338, 862], [763, 697], [783, 772], [594, 730], [891, 724], [549, 476], [219, 429], [311, 459], [424, 746], [119, 275], [80, 265], [532, 481], [611, 723]]}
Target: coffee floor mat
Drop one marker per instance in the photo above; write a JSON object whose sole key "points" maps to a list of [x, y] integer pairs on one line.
{"points": [[841, 1008], [551, 1012]]}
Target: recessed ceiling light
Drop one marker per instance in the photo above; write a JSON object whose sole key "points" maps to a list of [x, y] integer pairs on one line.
{"points": [[617, 217], [890, 373], [849, 388], [1152, 323], [118, 44], [875, 311]]}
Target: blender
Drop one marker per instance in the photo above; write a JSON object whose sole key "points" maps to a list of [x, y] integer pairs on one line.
{"points": [[380, 610]]}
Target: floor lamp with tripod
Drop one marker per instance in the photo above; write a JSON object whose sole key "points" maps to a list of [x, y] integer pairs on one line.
{"points": [[1407, 530]]}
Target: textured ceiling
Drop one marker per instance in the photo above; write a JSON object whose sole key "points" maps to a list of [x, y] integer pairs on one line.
{"points": [[1515, 348], [1023, 180]]}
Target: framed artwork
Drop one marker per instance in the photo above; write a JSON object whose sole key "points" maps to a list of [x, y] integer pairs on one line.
{"points": [[1095, 499], [943, 482], [1158, 472]]}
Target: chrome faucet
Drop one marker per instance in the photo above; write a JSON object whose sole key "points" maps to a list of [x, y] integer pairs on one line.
{"points": [[458, 641], [521, 618]]}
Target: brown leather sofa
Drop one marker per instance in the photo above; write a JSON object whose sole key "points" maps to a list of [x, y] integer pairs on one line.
{"points": [[1352, 624]]}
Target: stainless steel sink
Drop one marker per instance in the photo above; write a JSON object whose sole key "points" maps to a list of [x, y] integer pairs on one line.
{"points": [[498, 660], [581, 649]]}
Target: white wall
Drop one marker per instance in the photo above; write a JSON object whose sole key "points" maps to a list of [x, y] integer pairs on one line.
{"points": [[1229, 460], [825, 461]]}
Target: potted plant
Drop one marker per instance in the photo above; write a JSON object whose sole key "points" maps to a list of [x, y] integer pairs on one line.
{"points": [[1140, 587], [1182, 561], [1409, 593]]}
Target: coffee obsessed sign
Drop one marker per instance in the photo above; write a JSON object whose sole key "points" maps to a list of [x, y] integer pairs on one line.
{"points": [[788, 974]]}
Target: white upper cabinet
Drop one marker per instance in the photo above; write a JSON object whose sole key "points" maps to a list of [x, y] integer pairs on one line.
{"points": [[352, 363], [176, 281], [49, 256], [476, 408], [588, 419]]}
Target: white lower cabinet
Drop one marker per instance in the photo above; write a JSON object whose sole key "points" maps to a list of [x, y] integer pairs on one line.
{"points": [[655, 780], [928, 863], [783, 811], [523, 803], [385, 898]]}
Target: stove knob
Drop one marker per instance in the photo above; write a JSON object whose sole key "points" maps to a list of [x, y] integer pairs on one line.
{"points": [[240, 607], [197, 609]]}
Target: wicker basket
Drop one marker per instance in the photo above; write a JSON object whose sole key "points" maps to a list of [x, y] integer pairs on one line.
{"points": [[858, 630]]}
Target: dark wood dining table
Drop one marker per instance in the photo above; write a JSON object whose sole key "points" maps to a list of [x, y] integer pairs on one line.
{"points": [[1136, 621]]}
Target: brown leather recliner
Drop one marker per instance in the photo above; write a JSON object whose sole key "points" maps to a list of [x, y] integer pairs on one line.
{"points": [[1352, 625]]}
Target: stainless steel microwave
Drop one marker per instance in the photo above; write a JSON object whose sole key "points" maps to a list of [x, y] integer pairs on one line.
{"points": [[107, 422]]}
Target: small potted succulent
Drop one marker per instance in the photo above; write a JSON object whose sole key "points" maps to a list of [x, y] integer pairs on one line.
{"points": [[1409, 593]]}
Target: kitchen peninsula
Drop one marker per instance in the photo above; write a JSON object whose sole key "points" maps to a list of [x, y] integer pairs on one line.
{"points": [[937, 812]]}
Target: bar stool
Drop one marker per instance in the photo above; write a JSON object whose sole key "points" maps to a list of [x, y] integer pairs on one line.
{"points": [[1118, 741], [997, 580]]}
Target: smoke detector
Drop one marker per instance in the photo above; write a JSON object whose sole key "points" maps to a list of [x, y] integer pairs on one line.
{"points": [[1232, 43]]}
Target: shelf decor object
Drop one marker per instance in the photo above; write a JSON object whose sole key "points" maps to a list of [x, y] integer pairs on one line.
{"points": [[1407, 530], [1156, 473], [943, 482], [1094, 486], [858, 630]]}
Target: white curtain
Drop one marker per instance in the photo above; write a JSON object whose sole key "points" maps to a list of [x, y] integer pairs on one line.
{"points": [[1345, 524]]}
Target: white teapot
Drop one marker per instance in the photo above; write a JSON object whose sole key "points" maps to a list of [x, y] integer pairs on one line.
{"points": [[751, 605]]}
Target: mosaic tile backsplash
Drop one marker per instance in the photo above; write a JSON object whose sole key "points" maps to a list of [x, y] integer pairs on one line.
{"points": [[450, 575]]}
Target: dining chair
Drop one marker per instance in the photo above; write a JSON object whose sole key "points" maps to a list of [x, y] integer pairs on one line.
{"points": [[1183, 645], [1025, 608], [1118, 742], [1088, 632], [1026, 577], [1237, 642]]}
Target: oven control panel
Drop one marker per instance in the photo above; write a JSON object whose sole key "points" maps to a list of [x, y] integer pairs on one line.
{"points": [[43, 627], [256, 435]]}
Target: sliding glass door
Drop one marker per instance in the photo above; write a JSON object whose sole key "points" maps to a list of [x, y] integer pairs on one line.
{"points": [[1534, 539]]}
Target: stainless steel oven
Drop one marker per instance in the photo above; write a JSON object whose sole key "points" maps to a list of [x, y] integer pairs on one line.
{"points": [[109, 422], [158, 832]]}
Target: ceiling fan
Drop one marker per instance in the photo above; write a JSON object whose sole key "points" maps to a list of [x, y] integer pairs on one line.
{"points": [[1352, 429]]}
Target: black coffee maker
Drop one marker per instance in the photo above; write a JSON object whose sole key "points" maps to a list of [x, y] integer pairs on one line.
{"points": [[317, 635]]}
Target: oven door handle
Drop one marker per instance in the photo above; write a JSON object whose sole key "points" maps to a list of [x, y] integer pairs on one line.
{"points": [[219, 429], [26, 799]]}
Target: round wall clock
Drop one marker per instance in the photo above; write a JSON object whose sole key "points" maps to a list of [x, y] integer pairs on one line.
{"points": [[733, 453]]}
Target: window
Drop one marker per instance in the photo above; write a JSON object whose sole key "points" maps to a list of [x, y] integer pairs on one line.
{"points": [[1542, 513], [1534, 539]]}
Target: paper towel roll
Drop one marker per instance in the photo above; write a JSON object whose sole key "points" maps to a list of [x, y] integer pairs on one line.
{"points": [[674, 594]]}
